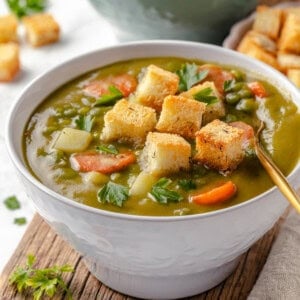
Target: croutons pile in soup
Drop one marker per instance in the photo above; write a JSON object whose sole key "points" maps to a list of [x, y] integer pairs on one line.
{"points": [[161, 137]]}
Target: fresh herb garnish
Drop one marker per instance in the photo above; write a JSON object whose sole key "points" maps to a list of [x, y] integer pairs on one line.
{"points": [[228, 85], [162, 194], [113, 193], [206, 95], [23, 8], [187, 184], [41, 282], [107, 149], [109, 98], [85, 122], [12, 203], [189, 75], [20, 221]]}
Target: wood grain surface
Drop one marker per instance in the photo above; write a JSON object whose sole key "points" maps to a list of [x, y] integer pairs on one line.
{"points": [[50, 250]]}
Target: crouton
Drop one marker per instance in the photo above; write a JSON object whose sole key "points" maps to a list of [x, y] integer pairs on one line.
{"points": [[288, 61], [268, 21], [165, 153], [155, 85], [128, 121], [41, 29], [219, 146], [8, 29], [294, 76], [290, 34], [181, 115], [259, 39], [215, 108], [9, 61]]}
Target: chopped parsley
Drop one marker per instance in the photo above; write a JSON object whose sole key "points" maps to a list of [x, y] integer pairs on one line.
{"points": [[109, 98], [162, 194], [23, 8], [113, 193], [85, 122], [189, 75], [40, 282], [206, 95], [20, 221], [229, 85], [111, 149], [187, 184], [12, 203]]}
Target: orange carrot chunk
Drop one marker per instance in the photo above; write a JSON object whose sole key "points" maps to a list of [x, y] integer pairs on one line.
{"points": [[104, 163], [217, 195], [257, 89]]}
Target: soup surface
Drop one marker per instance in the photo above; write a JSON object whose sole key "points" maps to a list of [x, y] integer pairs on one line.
{"points": [[75, 147]]}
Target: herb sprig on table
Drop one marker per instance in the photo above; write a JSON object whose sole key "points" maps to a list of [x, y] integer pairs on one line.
{"points": [[12, 203], [41, 282], [23, 8]]}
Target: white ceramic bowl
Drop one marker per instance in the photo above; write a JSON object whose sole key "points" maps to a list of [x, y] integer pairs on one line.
{"points": [[149, 257]]}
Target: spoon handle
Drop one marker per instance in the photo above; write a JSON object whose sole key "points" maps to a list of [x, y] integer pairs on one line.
{"points": [[278, 178]]}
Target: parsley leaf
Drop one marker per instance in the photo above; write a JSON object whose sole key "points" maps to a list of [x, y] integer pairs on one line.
{"points": [[206, 95], [163, 195], [110, 98], [107, 149], [40, 281], [228, 85], [113, 193], [26, 7], [189, 75], [20, 221], [12, 203], [85, 122], [187, 184]]}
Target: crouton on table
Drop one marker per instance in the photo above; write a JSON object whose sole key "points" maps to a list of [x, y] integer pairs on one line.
{"points": [[9, 61], [219, 146], [8, 29], [155, 85], [41, 29], [181, 115], [128, 121], [165, 153]]}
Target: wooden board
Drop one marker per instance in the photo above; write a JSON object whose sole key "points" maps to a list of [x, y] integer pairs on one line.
{"points": [[50, 250]]}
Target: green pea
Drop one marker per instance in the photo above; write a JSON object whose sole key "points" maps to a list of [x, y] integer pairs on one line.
{"points": [[68, 173], [238, 75], [84, 110], [70, 112], [245, 93], [247, 105], [232, 98], [64, 122], [231, 118], [96, 111]]}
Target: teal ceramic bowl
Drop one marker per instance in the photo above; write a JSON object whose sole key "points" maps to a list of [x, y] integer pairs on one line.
{"points": [[195, 20]]}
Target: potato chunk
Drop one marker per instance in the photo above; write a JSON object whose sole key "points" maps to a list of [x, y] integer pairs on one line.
{"points": [[142, 184], [73, 140]]}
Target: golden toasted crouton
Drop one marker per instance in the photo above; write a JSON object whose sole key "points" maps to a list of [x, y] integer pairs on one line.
{"points": [[165, 153], [213, 110], [290, 34], [219, 146], [288, 61], [41, 29], [9, 61], [294, 76], [268, 21], [290, 10], [128, 121], [259, 39], [181, 115], [8, 29], [155, 85]]}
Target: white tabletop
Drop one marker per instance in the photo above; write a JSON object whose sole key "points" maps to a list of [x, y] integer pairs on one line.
{"points": [[82, 30]]}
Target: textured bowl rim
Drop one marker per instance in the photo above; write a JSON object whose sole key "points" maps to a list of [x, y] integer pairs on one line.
{"points": [[131, 217]]}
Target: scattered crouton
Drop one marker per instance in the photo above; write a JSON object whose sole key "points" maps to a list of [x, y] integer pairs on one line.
{"points": [[219, 146], [165, 153], [128, 121], [8, 29], [155, 85], [294, 76], [9, 61], [214, 110], [268, 21], [288, 61], [181, 115], [41, 29]]}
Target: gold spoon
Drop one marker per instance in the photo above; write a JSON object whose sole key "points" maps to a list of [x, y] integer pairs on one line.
{"points": [[274, 172]]}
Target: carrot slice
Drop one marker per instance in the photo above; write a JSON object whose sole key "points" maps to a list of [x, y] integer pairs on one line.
{"points": [[257, 89], [216, 195], [126, 83], [104, 163]]}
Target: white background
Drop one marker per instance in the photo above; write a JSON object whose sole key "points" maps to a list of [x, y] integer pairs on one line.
{"points": [[82, 30]]}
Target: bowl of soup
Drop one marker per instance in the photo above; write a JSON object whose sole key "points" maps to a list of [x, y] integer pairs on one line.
{"points": [[141, 157]]}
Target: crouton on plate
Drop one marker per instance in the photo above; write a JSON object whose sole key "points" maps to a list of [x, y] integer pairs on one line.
{"points": [[9, 61], [8, 29]]}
